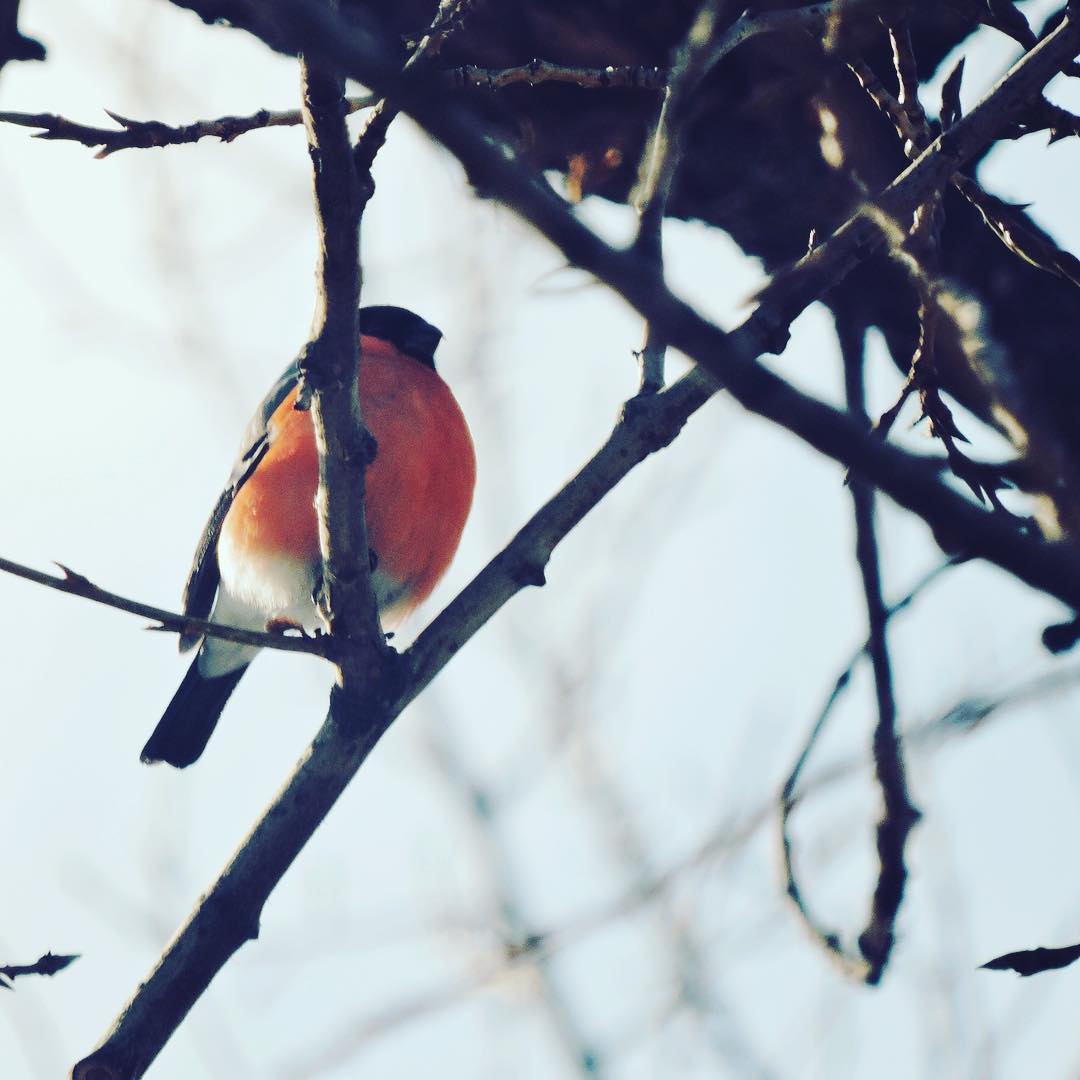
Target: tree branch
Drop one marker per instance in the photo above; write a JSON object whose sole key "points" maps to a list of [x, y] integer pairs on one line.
{"points": [[899, 817], [146, 134], [49, 964], [14, 45], [791, 796], [76, 585]]}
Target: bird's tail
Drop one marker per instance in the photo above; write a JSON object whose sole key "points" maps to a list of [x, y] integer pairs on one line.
{"points": [[184, 730]]}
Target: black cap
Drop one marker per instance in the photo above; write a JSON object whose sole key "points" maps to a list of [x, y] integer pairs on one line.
{"points": [[403, 329]]}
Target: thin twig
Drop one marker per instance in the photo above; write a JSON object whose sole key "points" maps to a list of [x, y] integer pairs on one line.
{"points": [[900, 816], [48, 964], [898, 812], [146, 134], [76, 584]]}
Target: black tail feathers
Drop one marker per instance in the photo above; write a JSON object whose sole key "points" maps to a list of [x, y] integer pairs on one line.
{"points": [[184, 730]]}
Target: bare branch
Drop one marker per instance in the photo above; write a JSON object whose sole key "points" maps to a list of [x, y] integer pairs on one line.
{"points": [[791, 796], [900, 816], [146, 134], [48, 964], [75, 584]]}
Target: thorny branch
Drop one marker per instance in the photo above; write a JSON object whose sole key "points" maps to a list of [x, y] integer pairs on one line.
{"points": [[899, 815], [145, 134], [791, 796], [1007, 222]]}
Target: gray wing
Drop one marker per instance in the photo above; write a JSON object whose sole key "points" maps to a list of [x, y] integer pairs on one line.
{"points": [[203, 580]]}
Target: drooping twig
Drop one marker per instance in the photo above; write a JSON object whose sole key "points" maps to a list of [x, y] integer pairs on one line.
{"points": [[76, 584], [791, 795], [899, 815], [48, 964]]}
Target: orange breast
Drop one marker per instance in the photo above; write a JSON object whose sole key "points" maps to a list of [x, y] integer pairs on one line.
{"points": [[419, 488]]}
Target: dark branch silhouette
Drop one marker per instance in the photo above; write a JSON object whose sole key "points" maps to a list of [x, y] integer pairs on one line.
{"points": [[48, 964], [1034, 961]]}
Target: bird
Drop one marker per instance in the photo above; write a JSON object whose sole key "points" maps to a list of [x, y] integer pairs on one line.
{"points": [[258, 564]]}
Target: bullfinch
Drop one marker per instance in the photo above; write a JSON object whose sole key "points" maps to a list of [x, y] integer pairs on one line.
{"points": [[258, 564]]}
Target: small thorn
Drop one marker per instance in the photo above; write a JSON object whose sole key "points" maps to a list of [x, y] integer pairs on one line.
{"points": [[71, 576]]}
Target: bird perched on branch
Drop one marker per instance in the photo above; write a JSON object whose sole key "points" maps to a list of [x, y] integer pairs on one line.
{"points": [[259, 553]]}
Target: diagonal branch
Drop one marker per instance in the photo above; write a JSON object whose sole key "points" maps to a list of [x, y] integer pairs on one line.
{"points": [[899, 817]]}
